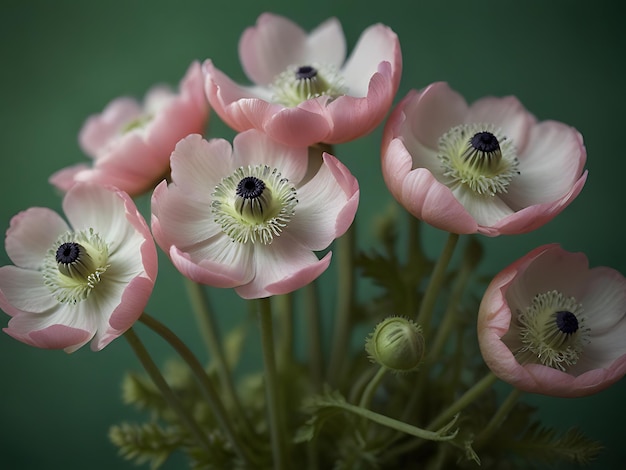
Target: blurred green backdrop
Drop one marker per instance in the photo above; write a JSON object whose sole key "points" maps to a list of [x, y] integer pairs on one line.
{"points": [[64, 60]]}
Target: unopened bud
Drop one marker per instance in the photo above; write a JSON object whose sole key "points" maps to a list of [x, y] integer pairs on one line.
{"points": [[397, 344]]}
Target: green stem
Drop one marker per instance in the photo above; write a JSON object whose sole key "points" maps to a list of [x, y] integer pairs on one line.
{"points": [[314, 334], [449, 317], [452, 411], [279, 451], [203, 379], [442, 434], [345, 300], [498, 418], [370, 390], [425, 313], [284, 313], [157, 378], [467, 398], [210, 333]]}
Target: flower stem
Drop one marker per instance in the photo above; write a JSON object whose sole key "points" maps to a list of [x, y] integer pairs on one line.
{"points": [[467, 398], [368, 393], [314, 334], [157, 378], [271, 385], [442, 434], [203, 379], [345, 301], [209, 331], [284, 313], [498, 418], [425, 313]]}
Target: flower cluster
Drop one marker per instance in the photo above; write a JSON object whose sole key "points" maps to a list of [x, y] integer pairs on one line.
{"points": [[259, 215]]}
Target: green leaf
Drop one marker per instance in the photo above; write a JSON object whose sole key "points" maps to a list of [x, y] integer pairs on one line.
{"points": [[147, 442]]}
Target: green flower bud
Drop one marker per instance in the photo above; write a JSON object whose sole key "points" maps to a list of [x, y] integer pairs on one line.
{"points": [[397, 344]]}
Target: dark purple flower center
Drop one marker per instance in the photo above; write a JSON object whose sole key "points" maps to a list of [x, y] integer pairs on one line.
{"points": [[250, 187], [68, 253], [306, 72], [566, 322], [485, 142]]}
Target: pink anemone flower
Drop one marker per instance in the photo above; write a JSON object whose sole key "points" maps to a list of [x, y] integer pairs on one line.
{"points": [[250, 216], [305, 92], [548, 324], [131, 142], [487, 168], [73, 283]]}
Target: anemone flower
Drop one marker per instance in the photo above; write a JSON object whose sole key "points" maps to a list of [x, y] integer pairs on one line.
{"points": [[488, 168], [548, 324], [305, 92], [250, 216], [72, 283], [131, 142]]}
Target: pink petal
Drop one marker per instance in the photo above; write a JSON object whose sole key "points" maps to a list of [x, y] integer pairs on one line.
{"points": [[327, 206], [377, 44], [31, 234], [99, 130], [533, 217], [52, 337], [282, 267], [270, 47], [429, 200], [356, 117], [434, 111], [132, 304], [65, 178], [232, 268], [302, 126]]}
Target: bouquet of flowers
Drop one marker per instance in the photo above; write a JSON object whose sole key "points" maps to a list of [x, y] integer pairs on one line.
{"points": [[409, 375]]}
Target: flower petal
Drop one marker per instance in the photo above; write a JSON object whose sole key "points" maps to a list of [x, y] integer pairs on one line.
{"points": [[178, 219], [282, 267], [327, 205], [433, 111], [255, 148], [219, 262], [31, 234], [23, 290], [377, 44], [199, 165], [429, 200], [507, 114], [552, 163]]}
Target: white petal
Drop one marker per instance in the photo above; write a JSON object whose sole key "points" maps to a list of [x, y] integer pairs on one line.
{"points": [[487, 210], [31, 234], [199, 165], [183, 220], [326, 44], [552, 163], [24, 289], [255, 148], [376, 44]]}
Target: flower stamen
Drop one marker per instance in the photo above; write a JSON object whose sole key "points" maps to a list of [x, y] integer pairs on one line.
{"points": [[74, 265], [552, 331], [253, 204], [300, 83], [478, 156]]}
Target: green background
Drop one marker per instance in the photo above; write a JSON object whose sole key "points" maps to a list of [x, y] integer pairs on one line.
{"points": [[62, 61]]}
